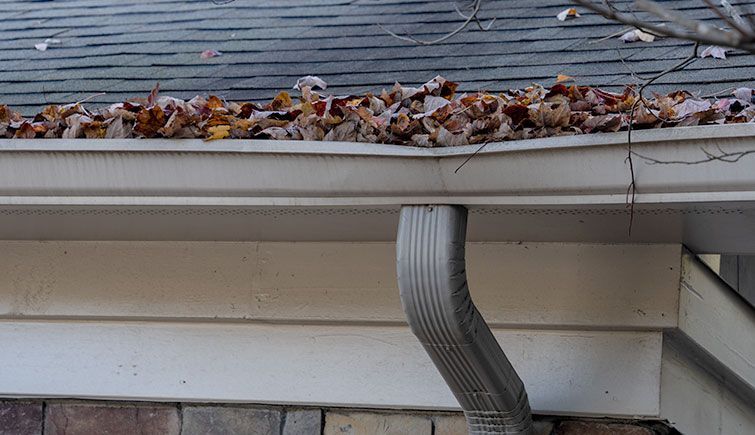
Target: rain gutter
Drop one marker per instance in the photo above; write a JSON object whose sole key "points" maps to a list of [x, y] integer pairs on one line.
{"points": [[570, 188]]}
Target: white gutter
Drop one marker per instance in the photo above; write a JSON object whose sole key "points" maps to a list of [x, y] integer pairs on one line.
{"points": [[547, 181]]}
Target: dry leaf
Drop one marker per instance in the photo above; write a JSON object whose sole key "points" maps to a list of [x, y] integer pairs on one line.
{"points": [[714, 51], [310, 82], [568, 13], [429, 115], [207, 54], [744, 94], [219, 132], [637, 35]]}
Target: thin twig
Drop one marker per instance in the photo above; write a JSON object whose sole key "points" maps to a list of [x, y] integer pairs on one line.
{"points": [[469, 19], [641, 99], [476, 19], [632, 188], [470, 157], [730, 20], [612, 35], [99, 94], [726, 91], [731, 157]]}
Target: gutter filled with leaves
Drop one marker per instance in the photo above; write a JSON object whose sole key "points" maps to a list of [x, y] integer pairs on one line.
{"points": [[432, 115]]}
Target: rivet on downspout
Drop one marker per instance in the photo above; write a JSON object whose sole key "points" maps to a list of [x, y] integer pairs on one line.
{"points": [[435, 296]]}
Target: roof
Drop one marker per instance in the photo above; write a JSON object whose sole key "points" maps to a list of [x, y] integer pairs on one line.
{"points": [[124, 47]]}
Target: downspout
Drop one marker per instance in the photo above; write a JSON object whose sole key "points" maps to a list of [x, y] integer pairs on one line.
{"points": [[435, 296]]}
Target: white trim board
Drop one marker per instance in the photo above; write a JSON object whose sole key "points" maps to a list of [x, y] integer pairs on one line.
{"points": [[717, 320], [698, 402], [598, 373]]}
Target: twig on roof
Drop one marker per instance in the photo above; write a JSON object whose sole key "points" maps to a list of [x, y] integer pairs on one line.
{"points": [[726, 91], [472, 17], [91, 97], [612, 35]]}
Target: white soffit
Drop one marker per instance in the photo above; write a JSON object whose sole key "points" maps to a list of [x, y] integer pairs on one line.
{"points": [[554, 189]]}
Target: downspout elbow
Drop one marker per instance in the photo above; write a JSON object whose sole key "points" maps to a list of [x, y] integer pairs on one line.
{"points": [[435, 296]]}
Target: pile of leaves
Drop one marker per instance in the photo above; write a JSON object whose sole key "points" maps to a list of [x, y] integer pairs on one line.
{"points": [[432, 115]]}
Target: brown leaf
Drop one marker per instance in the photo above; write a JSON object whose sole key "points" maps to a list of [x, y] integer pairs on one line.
{"points": [[149, 121], [610, 122], [152, 98], [219, 132], [281, 101], [517, 113], [25, 131], [445, 138]]}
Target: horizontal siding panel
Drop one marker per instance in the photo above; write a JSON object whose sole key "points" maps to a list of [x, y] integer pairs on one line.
{"points": [[602, 373], [520, 285]]}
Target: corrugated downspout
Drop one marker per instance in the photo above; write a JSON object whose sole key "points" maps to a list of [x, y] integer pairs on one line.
{"points": [[434, 292]]}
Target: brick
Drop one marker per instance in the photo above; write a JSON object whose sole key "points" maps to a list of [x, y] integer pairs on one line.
{"points": [[358, 423], [230, 420], [111, 419], [303, 422], [20, 418], [599, 428], [457, 425]]}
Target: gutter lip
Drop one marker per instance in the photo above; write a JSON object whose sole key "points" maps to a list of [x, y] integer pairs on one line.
{"points": [[293, 147], [728, 200]]}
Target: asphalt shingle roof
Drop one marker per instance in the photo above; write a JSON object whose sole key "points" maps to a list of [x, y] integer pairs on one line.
{"points": [[122, 48]]}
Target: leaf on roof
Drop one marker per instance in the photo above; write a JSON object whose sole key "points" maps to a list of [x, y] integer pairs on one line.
{"points": [[744, 94], [637, 35], [43, 46], [310, 82], [568, 13], [714, 51], [207, 54]]}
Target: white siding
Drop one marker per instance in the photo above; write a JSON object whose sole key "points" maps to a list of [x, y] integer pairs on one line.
{"points": [[565, 372], [514, 285]]}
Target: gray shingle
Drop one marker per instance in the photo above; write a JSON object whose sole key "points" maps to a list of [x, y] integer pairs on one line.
{"points": [[124, 47]]}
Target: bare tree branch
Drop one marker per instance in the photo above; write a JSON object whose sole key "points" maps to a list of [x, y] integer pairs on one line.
{"points": [[740, 37]]}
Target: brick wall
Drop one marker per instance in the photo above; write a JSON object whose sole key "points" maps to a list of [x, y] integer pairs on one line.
{"points": [[70, 417]]}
